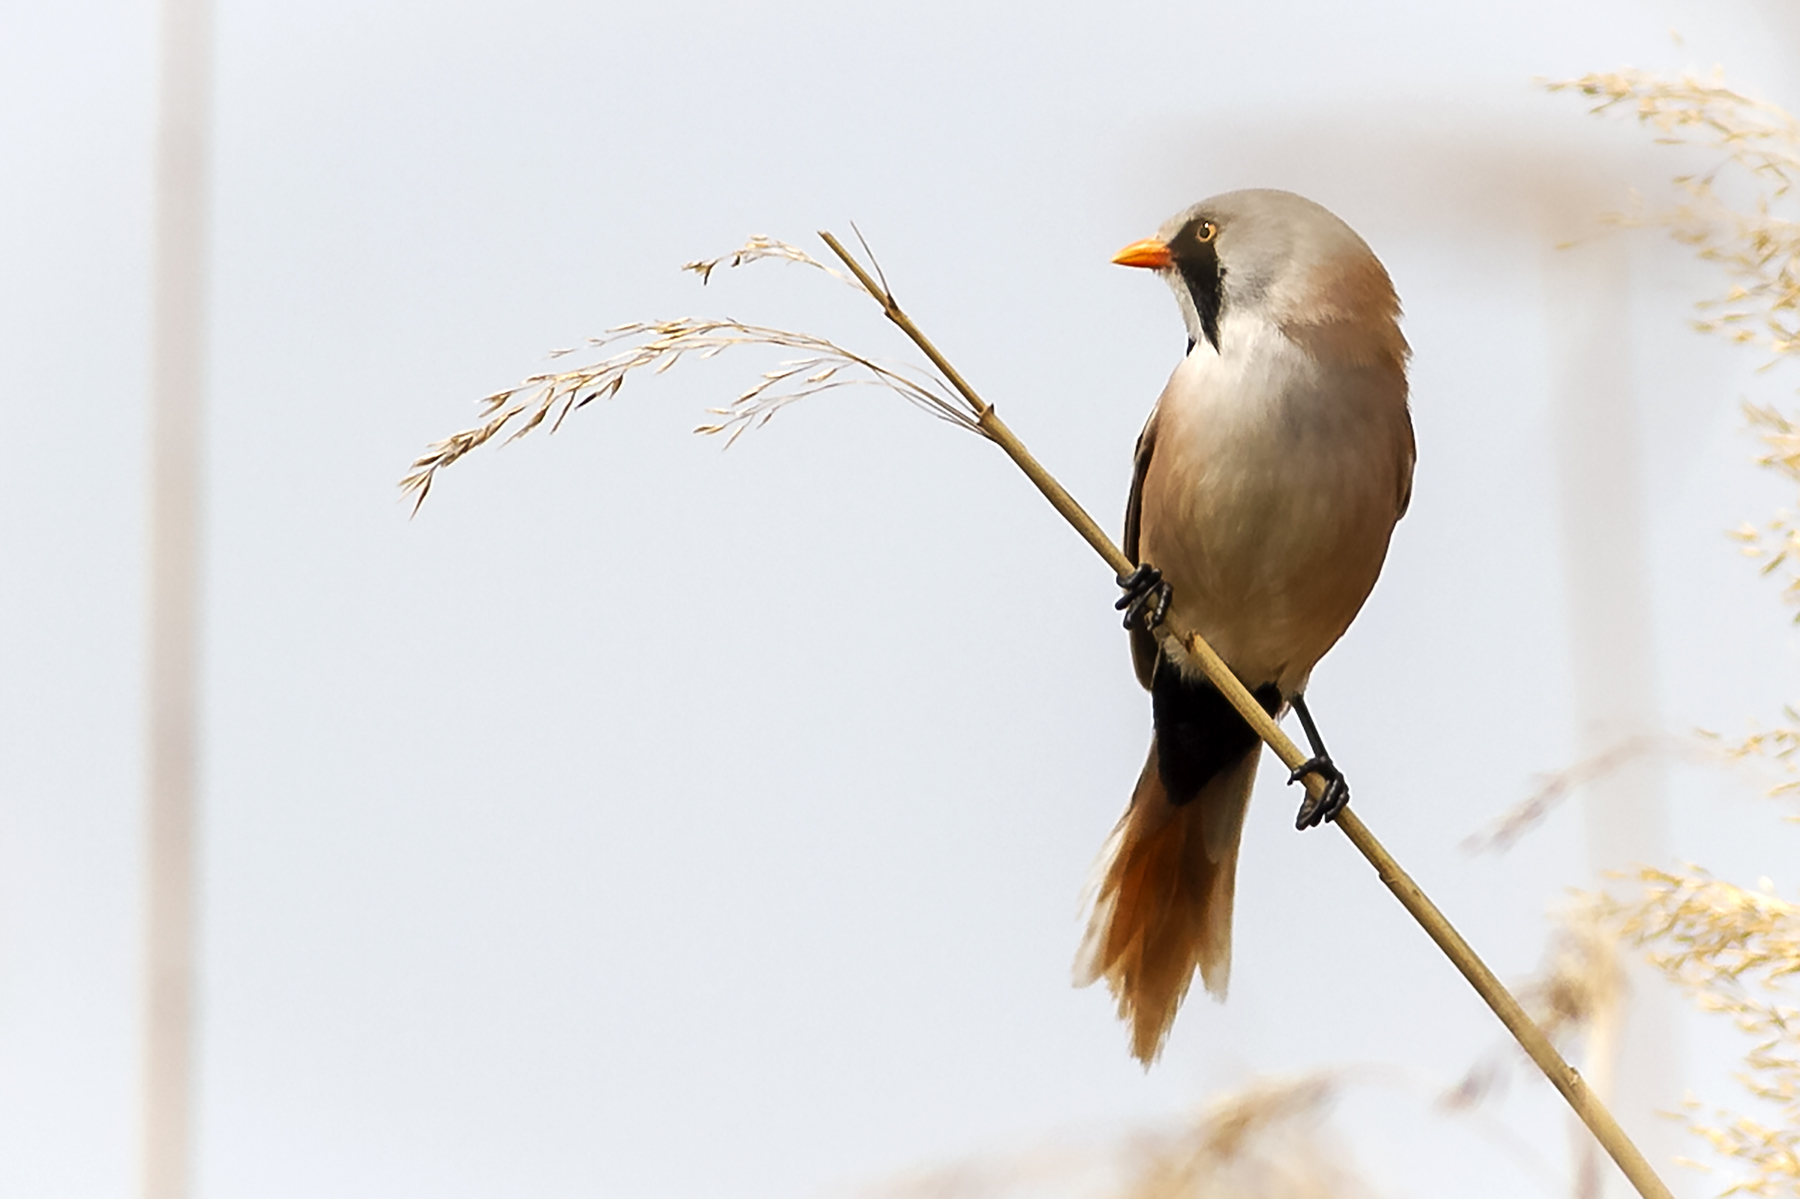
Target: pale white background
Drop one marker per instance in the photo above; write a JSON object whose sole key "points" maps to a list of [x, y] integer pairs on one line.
{"points": [[645, 820]]}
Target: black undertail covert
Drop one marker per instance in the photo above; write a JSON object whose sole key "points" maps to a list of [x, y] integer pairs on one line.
{"points": [[1198, 733]]}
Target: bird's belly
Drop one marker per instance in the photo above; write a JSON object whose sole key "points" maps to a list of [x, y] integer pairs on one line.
{"points": [[1270, 520]]}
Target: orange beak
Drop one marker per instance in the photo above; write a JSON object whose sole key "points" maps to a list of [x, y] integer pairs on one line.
{"points": [[1150, 252]]}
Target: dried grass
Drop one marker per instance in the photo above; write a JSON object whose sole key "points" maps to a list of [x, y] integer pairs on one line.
{"points": [[1263, 1142], [1778, 539], [656, 346], [1576, 997], [1758, 148], [1269, 1140], [1734, 951], [1740, 215]]}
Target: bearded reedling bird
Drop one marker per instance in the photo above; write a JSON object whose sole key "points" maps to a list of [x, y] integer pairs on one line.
{"points": [[1268, 481]]}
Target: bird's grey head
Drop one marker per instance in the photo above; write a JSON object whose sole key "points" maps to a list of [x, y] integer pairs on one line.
{"points": [[1284, 258]]}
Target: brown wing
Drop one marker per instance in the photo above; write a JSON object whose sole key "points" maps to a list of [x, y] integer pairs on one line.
{"points": [[1143, 644], [1406, 468]]}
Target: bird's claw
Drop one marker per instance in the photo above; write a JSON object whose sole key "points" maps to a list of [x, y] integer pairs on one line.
{"points": [[1334, 799], [1141, 587]]}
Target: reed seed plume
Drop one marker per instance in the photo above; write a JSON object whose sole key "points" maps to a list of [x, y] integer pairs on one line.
{"points": [[1743, 216], [1736, 952], [1576, 996], [1731, 213], [1779, 745], [654, 347], [1579, 996], [760, 248], [1582, 983], [1777, 542], [1268, 1140]]}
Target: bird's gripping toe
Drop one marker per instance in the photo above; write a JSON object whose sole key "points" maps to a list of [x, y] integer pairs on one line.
{"points": [[1335, 799], [1146, 597]]}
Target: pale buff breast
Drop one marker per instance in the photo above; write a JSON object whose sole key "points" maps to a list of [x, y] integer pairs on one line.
{"points": [[1273, 490]]}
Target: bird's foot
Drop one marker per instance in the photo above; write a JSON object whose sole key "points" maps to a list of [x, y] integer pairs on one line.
{"points": [[1335, 798], [1145, 595]]}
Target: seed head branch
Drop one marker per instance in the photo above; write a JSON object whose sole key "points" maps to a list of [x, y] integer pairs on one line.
{"points": [[1737, 952], [656, 346], [1740, 216], [759, 248], [1758, 247]]}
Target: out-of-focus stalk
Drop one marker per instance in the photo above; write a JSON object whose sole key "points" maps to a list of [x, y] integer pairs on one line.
{"points": [[177, 389]]}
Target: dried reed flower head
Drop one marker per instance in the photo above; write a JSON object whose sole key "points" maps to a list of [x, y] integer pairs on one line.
{"points": [[1266, 1141], [1582, 982], [1758, 144], [1741, 216], [1262, 1140], [1779, 746], [1737, 952], [1577, 995], [757, 249], [656, 346], [1734, 950], [1777, 540]]}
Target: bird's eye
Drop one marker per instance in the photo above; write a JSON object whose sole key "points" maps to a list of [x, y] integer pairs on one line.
{"points": [[1206, 232]]}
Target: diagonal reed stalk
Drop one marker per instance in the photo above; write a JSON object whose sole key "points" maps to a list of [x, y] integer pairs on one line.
{"points": [[659, 345], [1564, 1077]]}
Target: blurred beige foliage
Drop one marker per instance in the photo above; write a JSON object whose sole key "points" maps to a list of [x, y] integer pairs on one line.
{"points": [[1731, 215], [1268, 1140], [1734, 950]]}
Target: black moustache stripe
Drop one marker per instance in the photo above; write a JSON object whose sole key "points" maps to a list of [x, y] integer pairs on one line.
{"points": [[1198, 263]]}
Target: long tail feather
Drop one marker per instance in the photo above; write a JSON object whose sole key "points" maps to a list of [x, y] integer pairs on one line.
{"points": [[1162, 900]]}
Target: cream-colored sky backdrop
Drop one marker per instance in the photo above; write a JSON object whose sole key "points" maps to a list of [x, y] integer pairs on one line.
{"points": [[645, 820]]}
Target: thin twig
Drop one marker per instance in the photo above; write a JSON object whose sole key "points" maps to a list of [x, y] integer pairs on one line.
{"points": [[1564, 1077]]}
